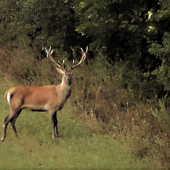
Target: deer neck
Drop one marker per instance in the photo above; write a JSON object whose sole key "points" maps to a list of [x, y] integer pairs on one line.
{"points": [[65, 89]]}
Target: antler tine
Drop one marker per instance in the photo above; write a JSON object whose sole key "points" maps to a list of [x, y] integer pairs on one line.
{"points": [[87, 49], [82, 58], [49, 52]]}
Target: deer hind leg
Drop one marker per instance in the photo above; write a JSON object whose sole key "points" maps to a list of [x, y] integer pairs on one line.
{"points": [[13, 120], [53, 118], [6, 121]]}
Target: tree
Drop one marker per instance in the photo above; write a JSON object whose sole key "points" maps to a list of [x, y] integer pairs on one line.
{"points": [[160, 47], [119, 27], [39, 23]]}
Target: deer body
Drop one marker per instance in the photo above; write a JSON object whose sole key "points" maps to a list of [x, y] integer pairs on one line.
{"points": [[35, 99], [49, 98]]}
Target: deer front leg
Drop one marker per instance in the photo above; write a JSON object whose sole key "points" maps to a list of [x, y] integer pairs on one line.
{"points": [[53, 118], [55, 124]]}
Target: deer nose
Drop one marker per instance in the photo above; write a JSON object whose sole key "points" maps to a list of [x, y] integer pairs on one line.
{"points": [[69, 79]]}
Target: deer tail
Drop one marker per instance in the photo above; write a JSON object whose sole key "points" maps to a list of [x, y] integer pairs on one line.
{"points": [[7, 96]]}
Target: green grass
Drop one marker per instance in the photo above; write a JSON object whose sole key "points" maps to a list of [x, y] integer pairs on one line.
{"points": [[85, 152], [79, 147]]}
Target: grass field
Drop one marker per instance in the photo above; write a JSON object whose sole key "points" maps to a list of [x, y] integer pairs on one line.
{"points": [[79, 147]]}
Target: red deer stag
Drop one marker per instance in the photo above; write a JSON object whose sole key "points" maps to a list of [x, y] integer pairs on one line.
{"points": [[49, 98]]}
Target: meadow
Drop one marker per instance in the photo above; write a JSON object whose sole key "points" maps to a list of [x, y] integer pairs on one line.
{"points": [[82, 143]]}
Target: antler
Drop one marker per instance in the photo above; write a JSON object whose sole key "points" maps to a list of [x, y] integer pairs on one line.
{"points": [[82, 58], [49, 52]]}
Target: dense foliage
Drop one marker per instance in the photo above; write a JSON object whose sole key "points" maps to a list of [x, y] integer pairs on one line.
{"points": [[135, 32]]}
